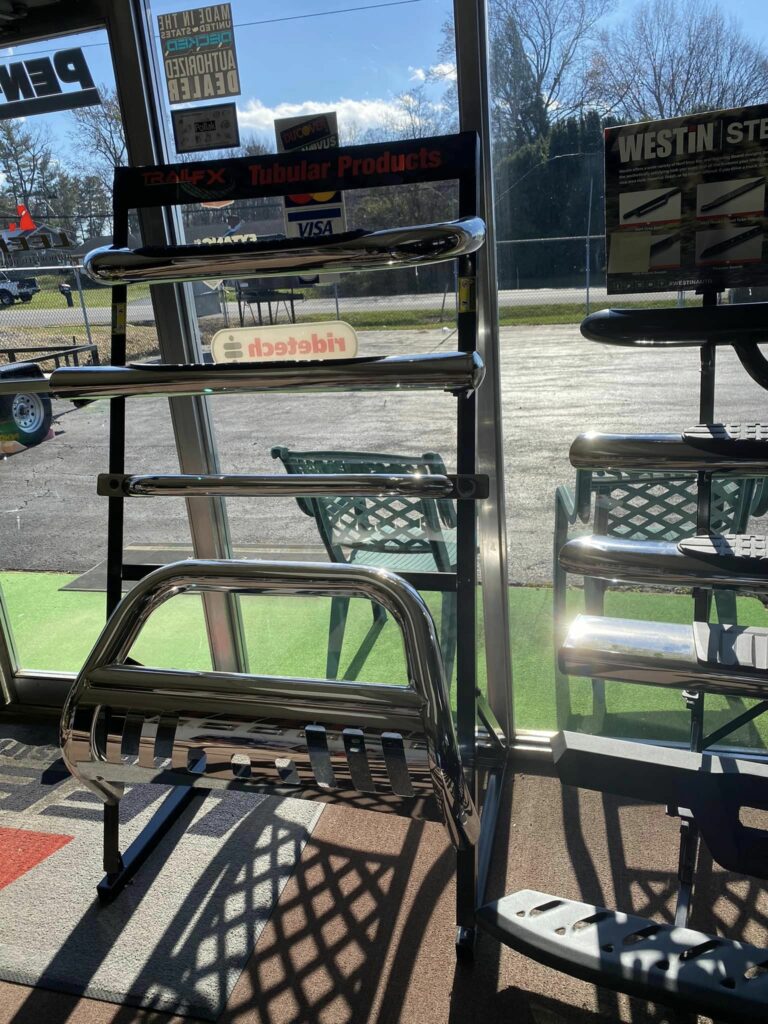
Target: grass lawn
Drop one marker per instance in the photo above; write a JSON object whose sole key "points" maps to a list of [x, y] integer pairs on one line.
{"points": [[55, 629], [49, 296]]}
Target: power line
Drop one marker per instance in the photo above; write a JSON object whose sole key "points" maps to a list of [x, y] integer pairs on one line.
{"points": [[265, 21], [323, 14]]}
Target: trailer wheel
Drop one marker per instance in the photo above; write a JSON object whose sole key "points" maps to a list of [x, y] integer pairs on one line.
{"points": [[30, 415]]}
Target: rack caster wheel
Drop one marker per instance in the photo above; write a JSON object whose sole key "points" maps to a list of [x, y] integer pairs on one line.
{"points": [[465, 945]]}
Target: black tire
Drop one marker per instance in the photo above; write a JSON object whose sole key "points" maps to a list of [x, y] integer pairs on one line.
{"points": [[6, 299], [25, 298], [28, 415]]}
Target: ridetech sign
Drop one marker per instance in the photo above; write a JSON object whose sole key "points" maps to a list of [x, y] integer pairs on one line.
{"points": [[42, 85], [319, 342]]}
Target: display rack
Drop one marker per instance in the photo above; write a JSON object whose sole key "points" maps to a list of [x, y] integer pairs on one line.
{"points": [[125, 723], [689, 969]]}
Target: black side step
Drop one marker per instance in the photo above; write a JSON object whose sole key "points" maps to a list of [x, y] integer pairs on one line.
{"points": [[680, 967], [713, 787]]}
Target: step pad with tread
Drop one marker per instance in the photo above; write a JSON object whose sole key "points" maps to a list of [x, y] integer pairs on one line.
{"points": [[681, 967]]}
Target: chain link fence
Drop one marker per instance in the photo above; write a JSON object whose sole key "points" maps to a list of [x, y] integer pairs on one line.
{"points": [[46, 310]]}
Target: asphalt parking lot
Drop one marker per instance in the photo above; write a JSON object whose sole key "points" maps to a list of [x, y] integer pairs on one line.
{"points": [[554, 385]]}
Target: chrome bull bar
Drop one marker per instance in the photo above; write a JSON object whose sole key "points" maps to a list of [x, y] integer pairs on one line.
{"points": [[353, 251], [385, 747], [458, 372], [448, 371]]}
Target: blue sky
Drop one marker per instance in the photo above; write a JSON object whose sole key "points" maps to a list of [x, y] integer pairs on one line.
{"points": [[294, 57]]}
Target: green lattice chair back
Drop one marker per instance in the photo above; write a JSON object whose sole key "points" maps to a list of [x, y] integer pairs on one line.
{"points": [[662, 506], [387, 526]]}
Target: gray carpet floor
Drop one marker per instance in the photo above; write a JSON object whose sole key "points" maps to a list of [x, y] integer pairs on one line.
{"points": [[179, 936]]}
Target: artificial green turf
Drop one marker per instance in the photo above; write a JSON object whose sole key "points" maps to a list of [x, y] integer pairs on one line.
{"points": [[55, 629]]}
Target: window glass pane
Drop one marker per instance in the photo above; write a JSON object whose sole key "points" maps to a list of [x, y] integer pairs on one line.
{"points": [[402, 311], [556, 82], [57, 180]]}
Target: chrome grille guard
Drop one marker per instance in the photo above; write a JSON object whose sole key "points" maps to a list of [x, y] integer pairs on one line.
{"points": [[395, 745]]}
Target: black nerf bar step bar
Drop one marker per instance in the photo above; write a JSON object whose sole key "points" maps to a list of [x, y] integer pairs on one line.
{"points": [[459, 372], [682, 327], [687, 969], [265, 485], [738, 449], [730, 560], [713, 787], [701, 656], [352, 251]]}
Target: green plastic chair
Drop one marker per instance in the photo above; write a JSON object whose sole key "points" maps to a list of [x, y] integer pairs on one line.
{"points": [[640, 506], [397, 533]]}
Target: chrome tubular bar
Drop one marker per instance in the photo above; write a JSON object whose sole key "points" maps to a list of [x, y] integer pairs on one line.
{"points": [[698, 657], [241, 485], [353, 251], [261, 706], [449, 371], [727, 450], [716, 561], [24, 385]]}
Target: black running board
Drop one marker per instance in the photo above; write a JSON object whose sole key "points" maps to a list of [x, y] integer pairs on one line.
{"points": [[714, 788], [680, 967]]}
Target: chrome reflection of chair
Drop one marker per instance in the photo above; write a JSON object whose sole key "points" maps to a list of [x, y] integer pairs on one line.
{"points": [[379, 746], [399, 533], [639, 506]]}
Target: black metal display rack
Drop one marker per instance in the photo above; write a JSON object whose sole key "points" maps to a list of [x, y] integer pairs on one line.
{"points": [[450, 158]]}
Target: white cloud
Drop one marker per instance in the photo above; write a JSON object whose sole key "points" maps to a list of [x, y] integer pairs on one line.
{"points": [[360, 114], [418, 75], [447, 71]]}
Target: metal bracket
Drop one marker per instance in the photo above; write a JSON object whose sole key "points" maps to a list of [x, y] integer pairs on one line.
{"points": [[470, 486]]}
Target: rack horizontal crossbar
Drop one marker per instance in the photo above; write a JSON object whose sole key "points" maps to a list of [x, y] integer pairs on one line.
{"points": [[241, 485], [703, 656], [745, 323], [352, 251], [421, 581], [449, 371], [715, 561], [733, 449], [688, 969]]}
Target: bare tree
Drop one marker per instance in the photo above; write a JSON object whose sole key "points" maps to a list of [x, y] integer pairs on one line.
{"points": [[557, 36], [539, 51], [100, 136], [676, 57], [415, 116], [26, 161]]}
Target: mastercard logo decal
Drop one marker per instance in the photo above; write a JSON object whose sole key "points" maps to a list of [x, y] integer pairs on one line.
{"points": [[312, 198]]}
